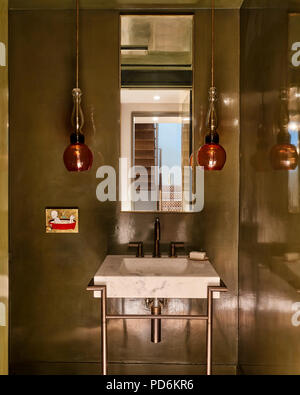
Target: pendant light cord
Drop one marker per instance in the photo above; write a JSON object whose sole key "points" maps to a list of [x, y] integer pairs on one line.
{"points": [[212, 43], [76, 92], [77, 44]]}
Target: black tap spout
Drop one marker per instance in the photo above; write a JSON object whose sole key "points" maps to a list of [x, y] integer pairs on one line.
{"points": [[156, 252]]}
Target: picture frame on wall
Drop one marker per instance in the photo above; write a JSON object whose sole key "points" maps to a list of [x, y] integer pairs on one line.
{"points": [[62, 220]]}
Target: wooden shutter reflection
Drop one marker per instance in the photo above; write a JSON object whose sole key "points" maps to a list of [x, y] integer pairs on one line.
{"points": [[145, 150]]}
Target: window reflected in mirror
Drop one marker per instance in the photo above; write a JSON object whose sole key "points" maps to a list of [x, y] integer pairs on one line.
{"points": [[157, 137]]}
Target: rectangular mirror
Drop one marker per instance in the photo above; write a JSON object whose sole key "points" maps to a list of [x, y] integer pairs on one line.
{"points": [[156, 112]]}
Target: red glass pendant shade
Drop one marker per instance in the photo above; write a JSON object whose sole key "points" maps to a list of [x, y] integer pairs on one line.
{"points": [[212, 155], [77, 156], [284, 155]]}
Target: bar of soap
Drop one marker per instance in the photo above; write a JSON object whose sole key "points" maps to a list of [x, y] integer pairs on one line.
{"points": [[198, 255]]}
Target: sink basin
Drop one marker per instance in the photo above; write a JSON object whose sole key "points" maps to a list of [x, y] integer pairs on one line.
{"points": [[130, 277], [154, 267]]}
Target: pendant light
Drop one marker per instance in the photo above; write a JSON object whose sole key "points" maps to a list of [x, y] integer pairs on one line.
{"points": [[284, 155], [77, 156], [212, 155]]}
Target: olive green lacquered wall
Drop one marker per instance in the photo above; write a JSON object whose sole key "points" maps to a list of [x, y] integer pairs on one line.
{"points": [[269, 230], [53, 318], [54, 321]]}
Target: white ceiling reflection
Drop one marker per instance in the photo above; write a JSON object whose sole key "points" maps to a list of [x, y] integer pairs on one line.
{"points": [[148, 95]]}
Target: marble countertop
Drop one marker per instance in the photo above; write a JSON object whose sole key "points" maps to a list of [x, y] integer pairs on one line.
{"points": [[129, 277]]}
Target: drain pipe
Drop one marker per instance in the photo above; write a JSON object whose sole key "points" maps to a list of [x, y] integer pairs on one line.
{"points": [[156, 324]]}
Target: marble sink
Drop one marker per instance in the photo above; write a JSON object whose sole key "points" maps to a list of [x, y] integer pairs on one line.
{"points": [[128, 277]]}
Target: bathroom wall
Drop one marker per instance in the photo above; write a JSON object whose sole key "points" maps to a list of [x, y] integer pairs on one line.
{"points": [[123, 4], [269, 225], [3, 188], [54, 321]]}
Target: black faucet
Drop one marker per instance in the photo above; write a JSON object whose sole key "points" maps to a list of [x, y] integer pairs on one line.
{"points": [[156, 252]]}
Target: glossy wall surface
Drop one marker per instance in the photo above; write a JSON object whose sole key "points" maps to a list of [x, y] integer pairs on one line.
{"points": [[123, 4], [3, 189], [269, 262], [54, 321]]}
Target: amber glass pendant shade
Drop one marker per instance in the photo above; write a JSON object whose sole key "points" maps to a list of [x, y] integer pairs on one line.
{"points": [[212, 155], [77, 156], [284, 155]]}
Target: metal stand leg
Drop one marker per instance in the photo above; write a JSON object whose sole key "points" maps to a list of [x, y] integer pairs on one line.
{"points": [[104, 331], [209, 332], [210, 293], [105, 317]]}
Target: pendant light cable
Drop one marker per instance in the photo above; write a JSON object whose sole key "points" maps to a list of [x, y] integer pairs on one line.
{"points": [[212, 43], [77, 44], [77, 91]]}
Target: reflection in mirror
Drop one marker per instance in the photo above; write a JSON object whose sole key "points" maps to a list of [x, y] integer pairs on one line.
{"points": [[293, 78], [157, 137], [156, 112], [293, 127], [156, 50]]}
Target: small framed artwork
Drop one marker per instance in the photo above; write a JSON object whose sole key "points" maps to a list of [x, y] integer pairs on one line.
{"points": [[62, 220]]}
